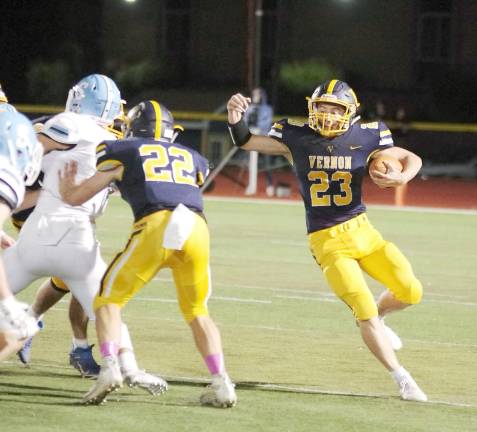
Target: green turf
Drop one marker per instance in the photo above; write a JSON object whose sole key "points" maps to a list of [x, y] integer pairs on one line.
{"points": [[292, 348]]}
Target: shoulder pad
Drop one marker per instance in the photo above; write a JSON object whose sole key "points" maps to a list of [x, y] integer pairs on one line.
{"points": [[293, 122], [63, 128], [372, 125], [71, 128]]}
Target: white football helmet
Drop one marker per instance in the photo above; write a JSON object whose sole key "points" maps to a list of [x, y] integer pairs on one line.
{"points": [[97, 96], [18, 144]]}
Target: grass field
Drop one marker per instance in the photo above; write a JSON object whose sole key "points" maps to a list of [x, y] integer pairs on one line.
{"points": [[292, 348]]}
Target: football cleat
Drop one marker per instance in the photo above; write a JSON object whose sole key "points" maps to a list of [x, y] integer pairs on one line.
{"points": [[220, 393], [82, 360], [151, 383], [109, 380], [24, 353], [410, 391]]}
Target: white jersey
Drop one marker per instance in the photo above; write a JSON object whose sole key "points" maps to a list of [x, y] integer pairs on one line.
{"points": [[12, 186], [83, 134], [59, 239]]}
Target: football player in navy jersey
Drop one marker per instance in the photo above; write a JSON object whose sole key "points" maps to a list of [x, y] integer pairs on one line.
{"points": [[330, 155], [160, 180]]}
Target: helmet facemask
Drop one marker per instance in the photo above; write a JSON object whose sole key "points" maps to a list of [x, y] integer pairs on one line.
{"points": [[329, 124]]}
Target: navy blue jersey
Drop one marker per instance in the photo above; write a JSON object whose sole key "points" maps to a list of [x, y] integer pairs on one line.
{"points": [[157, 175], [330, 171]]}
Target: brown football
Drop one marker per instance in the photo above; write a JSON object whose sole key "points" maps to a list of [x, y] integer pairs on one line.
{"points": [[377, 164]]}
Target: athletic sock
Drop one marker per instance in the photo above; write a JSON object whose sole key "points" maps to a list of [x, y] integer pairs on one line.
{"points": [[109, 349], [80, 343], [399, 374], [127, 361], [215, 363]]}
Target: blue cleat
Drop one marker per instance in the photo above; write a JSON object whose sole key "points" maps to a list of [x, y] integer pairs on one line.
{"points": [[82, 360], [24, 353]]}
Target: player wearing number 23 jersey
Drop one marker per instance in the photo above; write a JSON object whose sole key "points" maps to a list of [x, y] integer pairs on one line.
{"points": [[330, 172], [330, 156]]}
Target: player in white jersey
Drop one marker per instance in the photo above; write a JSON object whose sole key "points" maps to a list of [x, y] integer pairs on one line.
{"points": [[53, 289], [59, 239], [20, 160]]}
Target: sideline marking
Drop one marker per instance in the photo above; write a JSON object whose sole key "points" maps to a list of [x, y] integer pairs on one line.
{"points": [[298, 202]]}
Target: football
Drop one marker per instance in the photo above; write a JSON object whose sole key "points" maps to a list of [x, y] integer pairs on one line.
{"points": [[377, 164]]}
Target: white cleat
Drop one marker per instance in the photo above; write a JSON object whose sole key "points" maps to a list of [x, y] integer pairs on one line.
{"points": [[395, 340], [153, 384], [109, 379], [220, 393], [410, 391]]}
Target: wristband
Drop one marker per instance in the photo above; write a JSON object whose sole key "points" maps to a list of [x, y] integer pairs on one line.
{"points": [[240, 133]]}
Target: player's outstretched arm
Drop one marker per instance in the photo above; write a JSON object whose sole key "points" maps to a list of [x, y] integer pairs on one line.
{"points": [[76, 194], [241, 135]]}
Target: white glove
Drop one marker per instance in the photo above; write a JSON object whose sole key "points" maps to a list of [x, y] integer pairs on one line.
{"points": [[15, 319]]}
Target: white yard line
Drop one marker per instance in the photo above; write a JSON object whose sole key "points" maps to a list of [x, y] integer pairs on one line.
{"points": [[299, 203], [453, 299], [319, 299], [286, 388], [229, 299]]}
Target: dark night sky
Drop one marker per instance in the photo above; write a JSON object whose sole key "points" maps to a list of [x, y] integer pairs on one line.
{"points": [[45, 29]]}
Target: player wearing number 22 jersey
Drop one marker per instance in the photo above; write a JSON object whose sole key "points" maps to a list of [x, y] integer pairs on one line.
{"points": [[160, 180], [156, 176]]}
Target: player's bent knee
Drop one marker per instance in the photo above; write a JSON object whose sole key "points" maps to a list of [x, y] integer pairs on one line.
{"points": [[363, 306], [102, 301], [413, 293], [59, 285], [193, 313]]}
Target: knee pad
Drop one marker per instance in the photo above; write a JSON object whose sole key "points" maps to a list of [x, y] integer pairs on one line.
{"points": [[413, 293]]}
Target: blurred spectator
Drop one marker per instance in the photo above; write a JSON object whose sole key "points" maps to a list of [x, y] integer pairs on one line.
{"points": [[380, 110]]}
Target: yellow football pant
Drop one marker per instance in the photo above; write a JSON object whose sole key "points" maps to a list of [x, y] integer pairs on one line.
{"points": [[344, 250], [144, 256]]}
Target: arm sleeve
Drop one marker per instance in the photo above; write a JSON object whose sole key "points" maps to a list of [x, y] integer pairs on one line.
{"points": [[277, 130], [106, 156], [385, 136]]}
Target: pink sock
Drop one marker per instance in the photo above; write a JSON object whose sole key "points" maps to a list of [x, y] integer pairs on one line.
{"points": [[109, 349], [215, 363]]}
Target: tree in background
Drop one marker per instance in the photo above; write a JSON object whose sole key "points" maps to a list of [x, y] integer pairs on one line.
{"points": [[299, 79]]}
